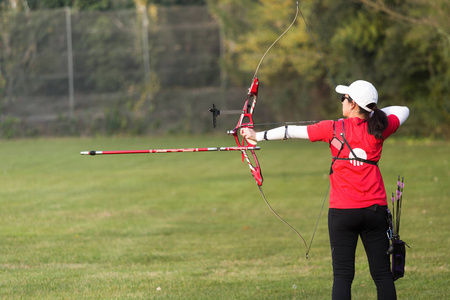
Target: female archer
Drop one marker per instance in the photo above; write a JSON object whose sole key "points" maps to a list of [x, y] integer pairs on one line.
{"points": [[358, 202]]}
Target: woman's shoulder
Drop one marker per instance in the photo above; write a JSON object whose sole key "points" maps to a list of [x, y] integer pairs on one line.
{"points": [[320, 131]]}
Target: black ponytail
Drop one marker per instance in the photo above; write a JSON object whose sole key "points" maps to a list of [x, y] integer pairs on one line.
{"points": [[378, 122]]}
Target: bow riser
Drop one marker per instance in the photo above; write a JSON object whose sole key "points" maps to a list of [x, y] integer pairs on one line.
{"points": [[246, 120]]}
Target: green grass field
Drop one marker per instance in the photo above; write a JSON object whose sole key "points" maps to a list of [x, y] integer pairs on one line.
{"points": [[193, 225]]}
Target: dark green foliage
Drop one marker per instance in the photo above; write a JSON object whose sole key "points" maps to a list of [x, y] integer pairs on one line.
{"points": [[102, 5], [178, 2], [92, 5], [403, 47]]}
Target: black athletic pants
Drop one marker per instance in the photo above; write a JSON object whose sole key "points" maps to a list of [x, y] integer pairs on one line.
{"points": [[345, 225]]}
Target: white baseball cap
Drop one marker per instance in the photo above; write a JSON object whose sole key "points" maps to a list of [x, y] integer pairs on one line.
{"points": [[362, 92]]}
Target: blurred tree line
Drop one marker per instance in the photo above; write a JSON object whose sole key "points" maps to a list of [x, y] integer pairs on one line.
{"points": [[92, 5], [403, 47]]}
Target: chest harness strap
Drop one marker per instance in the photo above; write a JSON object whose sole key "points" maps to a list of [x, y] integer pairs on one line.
{"points": [[340, 145]]}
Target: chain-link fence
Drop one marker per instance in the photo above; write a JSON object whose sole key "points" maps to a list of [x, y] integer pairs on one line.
{"points": [[69, 72]]}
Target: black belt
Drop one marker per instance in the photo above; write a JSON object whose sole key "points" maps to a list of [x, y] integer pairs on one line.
{"points": [[377, 208]]}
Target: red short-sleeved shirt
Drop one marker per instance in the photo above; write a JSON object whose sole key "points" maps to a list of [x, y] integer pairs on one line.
{"points": [[354, 184]]}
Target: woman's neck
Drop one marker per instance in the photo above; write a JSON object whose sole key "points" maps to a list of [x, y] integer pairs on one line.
{"points": [[355, 114]]}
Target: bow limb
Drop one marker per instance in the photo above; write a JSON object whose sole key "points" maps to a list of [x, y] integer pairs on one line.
{"points": [[283, 221], [246, 119]]}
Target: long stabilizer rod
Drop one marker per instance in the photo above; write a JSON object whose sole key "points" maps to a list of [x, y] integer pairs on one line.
{"points": [[93, 152]]}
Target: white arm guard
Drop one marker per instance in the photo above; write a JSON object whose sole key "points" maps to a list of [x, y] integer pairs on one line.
{"points": [[283, 133], [402, 112]]}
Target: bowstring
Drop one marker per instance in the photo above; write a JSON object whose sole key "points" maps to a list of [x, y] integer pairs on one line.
{"points": [[286, 123], [318, 220], [316, 45], [334, 84]]}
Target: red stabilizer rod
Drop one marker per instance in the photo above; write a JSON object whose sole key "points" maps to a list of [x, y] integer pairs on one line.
{"points": [[240, 148]]}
